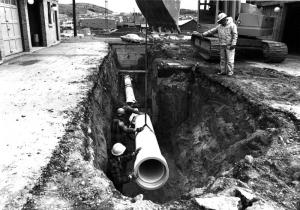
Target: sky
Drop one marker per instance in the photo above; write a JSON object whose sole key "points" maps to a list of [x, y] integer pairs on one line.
{"points": [[128, 5]]}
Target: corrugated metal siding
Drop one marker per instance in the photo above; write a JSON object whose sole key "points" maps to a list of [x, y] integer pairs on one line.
{"points": [[279, 21]]}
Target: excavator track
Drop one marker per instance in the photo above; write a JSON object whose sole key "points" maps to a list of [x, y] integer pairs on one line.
{"points": [[207, 47], [274, 52]]}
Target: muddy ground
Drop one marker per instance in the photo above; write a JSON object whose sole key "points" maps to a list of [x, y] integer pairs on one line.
{"points": [[233, 142]]}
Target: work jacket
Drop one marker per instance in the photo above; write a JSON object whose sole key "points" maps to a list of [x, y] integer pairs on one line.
{"points": [[117, 168], [119, 126], [227, 34]]}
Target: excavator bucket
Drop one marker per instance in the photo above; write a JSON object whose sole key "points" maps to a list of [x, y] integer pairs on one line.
{"points": [[161, 13]]}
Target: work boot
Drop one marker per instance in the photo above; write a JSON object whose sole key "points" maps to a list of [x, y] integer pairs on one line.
{"points": [[139, 197], [221, 73]]}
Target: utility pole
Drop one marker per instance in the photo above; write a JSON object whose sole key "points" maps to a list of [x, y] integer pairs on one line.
{"points": [[74, 19], [105, 14]]}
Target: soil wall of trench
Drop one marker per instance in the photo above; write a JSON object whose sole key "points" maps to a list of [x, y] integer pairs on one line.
{"points": [[221, 148], [209, 133], [215, 132]]}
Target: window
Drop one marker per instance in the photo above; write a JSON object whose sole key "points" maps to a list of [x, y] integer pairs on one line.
{"points": [[49, 13], [13, 2], [204, 4]]}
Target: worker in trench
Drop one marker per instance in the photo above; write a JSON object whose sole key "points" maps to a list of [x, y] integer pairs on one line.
{"points": [[117, 166], [126, 111], [123, 129], [227, 32]]}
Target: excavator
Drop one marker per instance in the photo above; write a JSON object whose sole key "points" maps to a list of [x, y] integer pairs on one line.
{"points": [[252, 25]]}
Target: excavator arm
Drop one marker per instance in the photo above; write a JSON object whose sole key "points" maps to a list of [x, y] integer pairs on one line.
{"points": [[161, 13]]}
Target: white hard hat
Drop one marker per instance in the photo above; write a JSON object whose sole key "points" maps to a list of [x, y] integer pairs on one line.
{"points": [[118, 149], [221, 16], [121, 111]]}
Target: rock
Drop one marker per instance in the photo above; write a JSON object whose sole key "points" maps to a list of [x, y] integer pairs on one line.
{"points": [[210, 180], [246, 196], [195, 192], [139, 197], [280, 140], [297, 185], [261, 205], [296, 176], [218, 203], [249, 159], [295, 164], [89, 130]]}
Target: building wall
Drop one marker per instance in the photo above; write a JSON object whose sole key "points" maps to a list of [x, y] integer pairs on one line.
{"points": [[49, 31], [97, 23], [25, 28], [22, 18], [189, 26], [279, 20], [1, 45]]}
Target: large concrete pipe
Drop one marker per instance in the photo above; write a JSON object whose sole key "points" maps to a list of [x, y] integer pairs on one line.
{"points": [[150, 166], [130, 98]]}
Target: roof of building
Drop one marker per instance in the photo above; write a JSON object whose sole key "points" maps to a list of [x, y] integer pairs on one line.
{"points": [[182, 22], [272, 3]]}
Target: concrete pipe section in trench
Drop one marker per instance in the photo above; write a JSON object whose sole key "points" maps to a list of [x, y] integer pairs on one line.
{"points": [[150, 167]]}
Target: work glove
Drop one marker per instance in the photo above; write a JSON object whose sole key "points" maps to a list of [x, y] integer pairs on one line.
{"points": [[139, 129], [200, 35], [195, 67], [195, 33], [232, 47], [132, 176], [137, 151]]}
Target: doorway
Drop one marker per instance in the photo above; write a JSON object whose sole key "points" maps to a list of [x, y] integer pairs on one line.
{"points": [[291, 31], [10, 27], [34, 13], [56, 25]]}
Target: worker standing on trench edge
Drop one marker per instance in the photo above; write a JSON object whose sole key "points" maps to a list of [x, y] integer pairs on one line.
{"points": [[227, 32], [117, 166]]}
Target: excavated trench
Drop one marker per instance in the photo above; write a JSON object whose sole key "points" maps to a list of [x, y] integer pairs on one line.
{"points": [[204, 129]]}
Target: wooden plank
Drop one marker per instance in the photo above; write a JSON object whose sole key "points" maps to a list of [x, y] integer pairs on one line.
{"points": [[132, 71]]}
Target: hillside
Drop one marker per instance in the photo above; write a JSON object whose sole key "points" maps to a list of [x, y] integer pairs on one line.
{"points": [[81, 8], [188, 12]]}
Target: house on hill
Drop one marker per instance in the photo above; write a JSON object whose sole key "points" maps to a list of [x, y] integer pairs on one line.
{"points": [[83, 9], [189, 25]]}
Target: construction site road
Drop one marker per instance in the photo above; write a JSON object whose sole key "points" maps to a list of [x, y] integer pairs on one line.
{"points": [[37, 93], [291, 65]]}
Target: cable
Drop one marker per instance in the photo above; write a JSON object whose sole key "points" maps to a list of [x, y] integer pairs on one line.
{"points": [[146, 73]]}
